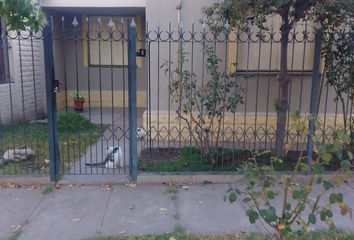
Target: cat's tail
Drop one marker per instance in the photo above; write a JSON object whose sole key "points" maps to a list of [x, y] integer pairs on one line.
{"points": [[95, 164]]}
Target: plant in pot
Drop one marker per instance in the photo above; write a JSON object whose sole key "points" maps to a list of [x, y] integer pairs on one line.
{"points": [[78, 102]]}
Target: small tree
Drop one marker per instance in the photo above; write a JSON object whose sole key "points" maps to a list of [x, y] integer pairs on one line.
{"points": [[338, 53], [203, 107], [262, 188], [327, 12], [20, 14]]}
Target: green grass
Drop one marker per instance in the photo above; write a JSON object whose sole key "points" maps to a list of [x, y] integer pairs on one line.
{"points": [[179, 234], [189, 159], [47, 190], [75, 134], [16, 235]]}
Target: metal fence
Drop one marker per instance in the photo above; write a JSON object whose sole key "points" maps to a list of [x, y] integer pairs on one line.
{"points": [[130, 75], [247, 60]]}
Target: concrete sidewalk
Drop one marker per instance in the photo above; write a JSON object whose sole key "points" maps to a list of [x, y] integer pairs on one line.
{"points": [[79, 212]]}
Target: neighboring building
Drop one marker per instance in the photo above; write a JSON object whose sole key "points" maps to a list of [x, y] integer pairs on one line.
{"points": [[22, 86]]}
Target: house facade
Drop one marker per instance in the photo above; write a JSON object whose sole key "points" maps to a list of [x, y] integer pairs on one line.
{"points": [[91, 62], [97, 68]]}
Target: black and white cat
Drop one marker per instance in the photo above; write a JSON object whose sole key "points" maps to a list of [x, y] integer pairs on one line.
{"points": [[114, 159], [141, 133]]}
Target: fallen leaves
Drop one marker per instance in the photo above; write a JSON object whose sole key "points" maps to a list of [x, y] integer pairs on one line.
{"points": [[33, 187], [16, 227], [163, 209], [76, 220], [10, 185], [106, 187], [131, 185], [74, 185], [27, 187]]}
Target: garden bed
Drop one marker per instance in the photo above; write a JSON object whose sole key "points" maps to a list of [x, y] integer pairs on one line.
{"points": [[189, 159]]}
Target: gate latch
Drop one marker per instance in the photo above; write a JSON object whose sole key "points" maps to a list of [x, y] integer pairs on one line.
{"points": [[141, 52], [56, 86]]}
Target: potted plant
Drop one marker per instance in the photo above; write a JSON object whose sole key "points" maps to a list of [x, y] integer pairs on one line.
{"points": [[78, 102]]}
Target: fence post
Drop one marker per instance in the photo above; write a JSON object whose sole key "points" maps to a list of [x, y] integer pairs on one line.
{"points": [[51, 101], [314, 95], [132, 100]]}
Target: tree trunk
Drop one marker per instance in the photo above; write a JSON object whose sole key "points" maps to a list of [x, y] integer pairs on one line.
{"points": [[284, 80]]}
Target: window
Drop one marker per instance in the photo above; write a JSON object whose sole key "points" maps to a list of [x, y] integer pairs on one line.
{"points": [[102, 51], [4, 69]]}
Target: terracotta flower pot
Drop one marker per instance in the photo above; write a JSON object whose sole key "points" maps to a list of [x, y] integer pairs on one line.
{"points": [[79, 104]]}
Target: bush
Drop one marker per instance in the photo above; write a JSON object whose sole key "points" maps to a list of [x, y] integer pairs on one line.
{"points": [[300, 204], [73, 122]]}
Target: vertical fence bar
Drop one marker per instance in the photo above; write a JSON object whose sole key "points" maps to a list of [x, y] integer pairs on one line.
{"points": [[314, 94], [51, 102], [132, 101]]}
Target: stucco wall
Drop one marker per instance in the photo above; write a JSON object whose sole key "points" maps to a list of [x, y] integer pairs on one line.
{"points": [[163, 14], [24, 98], [94, 82], [249, 56]]}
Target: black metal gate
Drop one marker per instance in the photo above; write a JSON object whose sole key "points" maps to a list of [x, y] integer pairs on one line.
{"points": [[91, 95]]}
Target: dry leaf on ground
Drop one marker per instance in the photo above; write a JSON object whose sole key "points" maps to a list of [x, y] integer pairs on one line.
{"points": [[106, 187], [76, 220], [16, 227], [131, 185]]}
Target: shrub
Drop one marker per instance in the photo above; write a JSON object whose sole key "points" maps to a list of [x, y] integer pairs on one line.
{"points": [[73, 122], [300, 204]]}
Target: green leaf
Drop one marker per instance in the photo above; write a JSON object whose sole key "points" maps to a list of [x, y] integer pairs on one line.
{"points": [[312, 218], [269, 215], [323, 215], [333, 198], [287, 216], [271, 195], [319, 180], [339, 180], [252, 215], [344, 164], [318, 169], [326, 156], [246, 200], [299, 194], [327, 184], [287, 207], [237, 191], [329, 213], [232, 197]]}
